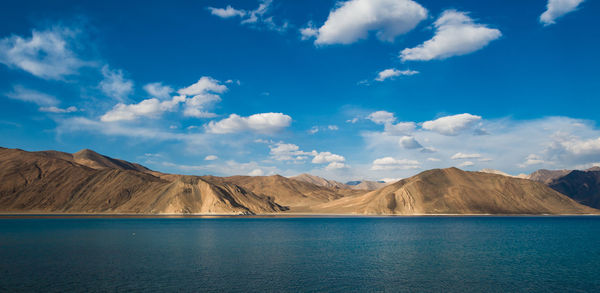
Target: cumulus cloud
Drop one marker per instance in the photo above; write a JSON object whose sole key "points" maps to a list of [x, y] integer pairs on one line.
{"points": [[409, 142], [204, 85], [452, 125], [258, 18], [266, 123], [456, 34], [352, 20], [335, 165], [115, 85], [558, 8], [290, 152], [390, 163], [382, 117], [27, 95], [392, 72], [196, 98], [158, 90], [46, 54], [327, 157], [462, 156], [147, 108]]}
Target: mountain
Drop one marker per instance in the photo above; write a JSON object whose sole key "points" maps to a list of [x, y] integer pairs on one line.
{"points": [[87, 182], [582, 186], [546, 176], [368, 185], [53, 182], [319, 181], [595, 168], [299, 196], [498, 172], [453, 191]]}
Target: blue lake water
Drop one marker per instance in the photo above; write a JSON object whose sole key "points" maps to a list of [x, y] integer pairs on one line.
{"points": [[450, 254]]}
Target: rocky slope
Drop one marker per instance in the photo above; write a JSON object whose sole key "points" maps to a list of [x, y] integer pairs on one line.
{"points": [[320, 181], [582, 186], [453, 191], [54, 182], [299, 196]]}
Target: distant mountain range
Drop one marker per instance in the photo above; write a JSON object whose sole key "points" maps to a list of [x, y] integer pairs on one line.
{"points": [[358, 185], [88, 182]]}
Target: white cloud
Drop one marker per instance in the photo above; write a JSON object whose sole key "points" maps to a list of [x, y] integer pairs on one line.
{"points": [[27, 95], [558, 8], [332, 127], [456, 34], [226, 12], [53, 109], [352, 20], [452, 125], [466, 164], [309, 31], [393, 72], [158, 90], [400, 128], [256, 18], [211, 158], [335, 165], [409, 142], [288, 152], [115, 85], [462, 156], [532, 159], [390, 163], [151, 108], [327, 157], [203, 93], [267, 123], [204, 85], [382, 117], [256, 172], [46, 54]]}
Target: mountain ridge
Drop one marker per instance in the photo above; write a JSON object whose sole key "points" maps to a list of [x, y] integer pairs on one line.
{"points": [[87, 182]]}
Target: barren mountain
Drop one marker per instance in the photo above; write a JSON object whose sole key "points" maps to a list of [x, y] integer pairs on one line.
{"points": [[453, 191], [298, 195], [546, 176], [498, 172], [582, 186], [320, 181], [54, 182]]}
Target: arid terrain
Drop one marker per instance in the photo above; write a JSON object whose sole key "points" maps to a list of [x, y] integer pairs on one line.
{"points": [[87, 182]]}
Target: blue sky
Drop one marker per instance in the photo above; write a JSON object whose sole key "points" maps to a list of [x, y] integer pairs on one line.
{"points": [[344, 89]]}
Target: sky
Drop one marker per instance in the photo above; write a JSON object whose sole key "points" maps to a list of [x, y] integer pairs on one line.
{"points": [[347, 90]]}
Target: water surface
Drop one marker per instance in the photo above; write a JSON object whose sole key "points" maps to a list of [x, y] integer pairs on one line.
{"points": [[451, 254]]}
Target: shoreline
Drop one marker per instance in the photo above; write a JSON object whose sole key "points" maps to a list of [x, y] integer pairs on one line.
{"points": [[4, 215]]}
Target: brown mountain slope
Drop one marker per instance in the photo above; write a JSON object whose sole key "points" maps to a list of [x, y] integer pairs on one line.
{"points": [[42, 182], [95, 160], [546, 176], [299, 196], [453, 191], [319, 181], [582, 186]]}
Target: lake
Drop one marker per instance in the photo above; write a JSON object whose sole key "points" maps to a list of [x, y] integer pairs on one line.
{"points": [[239, 254]]}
